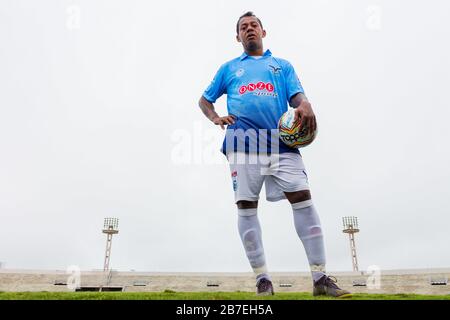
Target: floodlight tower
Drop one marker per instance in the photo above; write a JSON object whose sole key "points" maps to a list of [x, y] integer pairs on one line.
{"points": [[351, 227], [110, 227]]}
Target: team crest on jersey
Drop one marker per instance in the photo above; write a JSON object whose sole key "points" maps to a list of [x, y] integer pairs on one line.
{"points": [[275, 69], [240, 73]]}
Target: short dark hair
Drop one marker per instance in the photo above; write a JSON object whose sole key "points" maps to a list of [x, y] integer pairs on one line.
{"points": [[247, 14]]}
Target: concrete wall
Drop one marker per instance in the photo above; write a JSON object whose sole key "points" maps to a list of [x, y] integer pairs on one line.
{"points": [[394, 281]]}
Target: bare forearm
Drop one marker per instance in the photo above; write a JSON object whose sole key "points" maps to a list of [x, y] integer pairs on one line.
{"points": [[304, 112], [207, 109], [297, 100]]}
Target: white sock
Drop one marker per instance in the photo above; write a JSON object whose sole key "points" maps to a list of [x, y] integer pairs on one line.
{"points": [[309, 230], [250, 232]]}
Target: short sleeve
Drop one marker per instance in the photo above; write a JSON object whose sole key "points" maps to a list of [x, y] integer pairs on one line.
{"points": [[293, 84], [217, 86]]}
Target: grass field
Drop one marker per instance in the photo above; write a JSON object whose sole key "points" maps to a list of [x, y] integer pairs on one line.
{"points": [[199, 296]]}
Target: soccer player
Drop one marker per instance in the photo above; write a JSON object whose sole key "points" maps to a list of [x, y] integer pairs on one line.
{"points": [[259, 88]]}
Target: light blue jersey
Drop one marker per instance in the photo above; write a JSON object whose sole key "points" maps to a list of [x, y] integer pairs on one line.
{"points": [[258, 92]]}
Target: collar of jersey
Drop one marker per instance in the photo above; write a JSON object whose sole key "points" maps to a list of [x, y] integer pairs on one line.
{"points": [[266, 54]]}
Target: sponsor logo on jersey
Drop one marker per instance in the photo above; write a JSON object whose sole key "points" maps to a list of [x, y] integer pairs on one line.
{"points": [[259, 89]]}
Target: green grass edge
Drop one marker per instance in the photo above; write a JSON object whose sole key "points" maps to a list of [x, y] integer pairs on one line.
{"points": [[171, 295]]}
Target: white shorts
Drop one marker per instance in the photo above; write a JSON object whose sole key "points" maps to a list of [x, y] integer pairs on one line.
{"points": [[284, 172]]}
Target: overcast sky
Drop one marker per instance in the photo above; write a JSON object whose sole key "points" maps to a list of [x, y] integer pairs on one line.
{"points": [[99, 118]]}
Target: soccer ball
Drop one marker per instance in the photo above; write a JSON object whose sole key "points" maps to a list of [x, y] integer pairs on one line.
{"points": [[290, 132]]}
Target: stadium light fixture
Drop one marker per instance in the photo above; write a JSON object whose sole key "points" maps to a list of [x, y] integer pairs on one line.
{"points": [[110, 227], [351, 227]]}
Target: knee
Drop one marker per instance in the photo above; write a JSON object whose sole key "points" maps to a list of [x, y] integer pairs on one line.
{"points": [[244, 204], [298, 196]]}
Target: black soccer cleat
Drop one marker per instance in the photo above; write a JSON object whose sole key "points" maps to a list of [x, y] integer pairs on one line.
{"points": [[327, 286], [264, 287]]}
